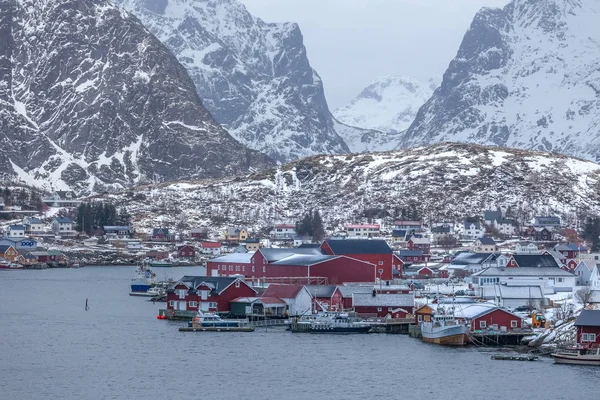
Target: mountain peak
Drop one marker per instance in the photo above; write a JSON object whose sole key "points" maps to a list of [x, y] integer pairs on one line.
{"points": [[524, 76], [388, 104]]}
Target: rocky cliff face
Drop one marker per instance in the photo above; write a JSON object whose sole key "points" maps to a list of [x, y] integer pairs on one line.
{"points": [[525, 76], [254, 77], [89, 99]]}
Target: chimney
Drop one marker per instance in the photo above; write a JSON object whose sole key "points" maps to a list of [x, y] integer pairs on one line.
{"points": [[374, 292]]}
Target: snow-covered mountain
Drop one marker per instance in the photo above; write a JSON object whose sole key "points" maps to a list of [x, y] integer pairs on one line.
{"points": [[254, 77], [388, 104], [89, 98], [525, 76], [445, 181]]}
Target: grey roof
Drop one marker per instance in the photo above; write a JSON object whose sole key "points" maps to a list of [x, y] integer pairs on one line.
{"points": [[275, 254], [383, 300], [535, 260], [467, 225], [16, 227], [524, 271], [303, 259], [519, 292], [359, 246], [347, 290], [234, 258], [440, 229], [492, 215], [63, 220], [569, 247], [588, 318], [3, 248], [234, 231], [33, 220], [547, 220], [309, 246], [115, 228], [398, 233], [410, 253], [158, 231], [252, 240], [470, 258], [486, 240], [321, 290], [217, 284], [505, 221]]}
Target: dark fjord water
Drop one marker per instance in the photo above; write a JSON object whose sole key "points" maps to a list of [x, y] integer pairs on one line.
{"points": [[51, 348]]}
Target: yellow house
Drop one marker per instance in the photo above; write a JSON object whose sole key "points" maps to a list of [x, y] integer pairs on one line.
{"points": [[485, 245], [236, 234], [8, 253]]}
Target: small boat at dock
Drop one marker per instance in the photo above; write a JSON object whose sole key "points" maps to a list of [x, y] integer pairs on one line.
{"points": [[579, 355], [161, 263], [208, 320]]}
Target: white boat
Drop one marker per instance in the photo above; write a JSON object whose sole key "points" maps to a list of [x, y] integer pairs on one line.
{"points": [[579, 355], [332, 323], [209, 320], [445, 330]]}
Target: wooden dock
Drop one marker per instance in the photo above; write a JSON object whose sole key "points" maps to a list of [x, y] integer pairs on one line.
{"points": [[217, 329], [392, 325], [498, 338], [177, 315], [515, 357]]}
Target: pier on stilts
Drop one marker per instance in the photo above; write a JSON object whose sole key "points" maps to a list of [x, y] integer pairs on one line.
{"points": [[391, 325]]}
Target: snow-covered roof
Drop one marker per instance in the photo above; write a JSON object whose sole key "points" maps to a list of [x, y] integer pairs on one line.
{"points": [[234, 257], [383, 300], [524, 271], [519, 292]]}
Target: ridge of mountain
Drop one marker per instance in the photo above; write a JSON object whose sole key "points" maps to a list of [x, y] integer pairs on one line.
{"points": [[525, 76], [90, 99]]}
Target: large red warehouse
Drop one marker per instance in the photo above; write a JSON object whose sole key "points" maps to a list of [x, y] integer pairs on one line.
{"points": [[374, 251], [309, 263]]}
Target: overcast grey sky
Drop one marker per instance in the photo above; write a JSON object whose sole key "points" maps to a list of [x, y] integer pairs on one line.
{"points": [[351, 42]]}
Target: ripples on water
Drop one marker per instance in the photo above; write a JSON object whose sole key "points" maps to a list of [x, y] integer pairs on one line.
{"points": [[51, 348]]}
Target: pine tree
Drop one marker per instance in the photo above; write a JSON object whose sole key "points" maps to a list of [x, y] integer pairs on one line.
{"points": [[318, 232], [591, 233]]}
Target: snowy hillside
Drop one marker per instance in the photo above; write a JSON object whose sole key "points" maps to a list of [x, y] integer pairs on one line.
{"points": [[525, 76], [254, 77], [90, 99], [447, 181], [388, 104]]}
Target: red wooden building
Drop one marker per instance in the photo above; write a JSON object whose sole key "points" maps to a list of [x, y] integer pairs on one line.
{"points": [[382, 305], [162, 235], [569, 250], [157, 255], [484, 316], [186, 251], [423, 314], [588, 328], [419, 243], [304, 263], [326, 297], [532, 260], [373, 251], [210, 294]]}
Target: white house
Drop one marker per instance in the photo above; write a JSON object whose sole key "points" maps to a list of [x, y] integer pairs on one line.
{"points": [[506, 226], [211, 248], [583, 271], [490, 217], [283, 231], [33, 225], [526, 248], [485, 245], [362, 231], [63, 226], [16, 231], [550, 279], [472, 230], [297, 297], [514, 296], [405, 225]]}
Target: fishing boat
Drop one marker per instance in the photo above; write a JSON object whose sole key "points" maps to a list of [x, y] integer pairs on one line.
{"points": [[208, 320], [445, 330], [161, 263], [332, 323], [143, 280], [580, 355]]}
